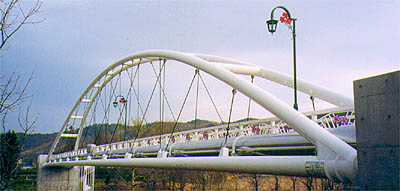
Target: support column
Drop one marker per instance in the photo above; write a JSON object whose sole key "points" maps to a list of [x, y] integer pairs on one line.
{"points": [[59, 178], [56, 178], [377, 102]]}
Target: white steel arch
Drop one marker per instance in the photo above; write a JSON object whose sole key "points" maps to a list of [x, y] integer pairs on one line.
{"points": [[339, 157], [239, 67]]}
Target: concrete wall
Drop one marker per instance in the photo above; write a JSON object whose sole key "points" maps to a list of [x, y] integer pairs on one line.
{"points": [[377, 102]]}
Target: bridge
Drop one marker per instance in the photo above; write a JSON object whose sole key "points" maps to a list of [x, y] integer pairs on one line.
{"points": [[318, 143]]}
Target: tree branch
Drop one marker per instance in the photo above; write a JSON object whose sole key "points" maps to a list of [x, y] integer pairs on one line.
{"points": [[12, 94], [27, 124], [8, 29]]}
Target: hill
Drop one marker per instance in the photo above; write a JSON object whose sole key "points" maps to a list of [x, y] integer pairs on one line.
{"points": [[35, 144]]}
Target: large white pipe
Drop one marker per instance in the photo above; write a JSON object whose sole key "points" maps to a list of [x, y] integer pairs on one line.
{"points": [[302, 124], [279, 165], [328, 145], [286, 80]]}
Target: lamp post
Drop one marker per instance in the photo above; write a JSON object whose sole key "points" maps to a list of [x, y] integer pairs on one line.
{"points": [[121, 99], [272, 25]]}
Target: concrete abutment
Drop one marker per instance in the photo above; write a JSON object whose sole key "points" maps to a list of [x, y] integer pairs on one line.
{"points": [[59, 178], [377, 101]]}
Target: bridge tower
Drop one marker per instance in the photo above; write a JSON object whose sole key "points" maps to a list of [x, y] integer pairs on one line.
{"points": [[377, 102]]}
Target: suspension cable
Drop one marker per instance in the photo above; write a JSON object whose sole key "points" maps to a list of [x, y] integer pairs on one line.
{"points": [[103, 121], [103, 104], [132, 86], [312, 101], [180, 111], [137, 94], [120, 115], [97, 134], [139, 108], [212, 101], [128, 99], [197, 100], [106, 106], [125, 106], [165, 96], [112, 94], [161, 101], [118, 124], [132, 80], [230, 114], [148, 104], [91, 121], [248, 108]]}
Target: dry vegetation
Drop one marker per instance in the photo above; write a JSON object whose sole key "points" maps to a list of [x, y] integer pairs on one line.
{"points": [[184, 179]]}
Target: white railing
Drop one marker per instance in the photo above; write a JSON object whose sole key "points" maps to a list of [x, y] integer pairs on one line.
{"points": [[273, 126], [87, 178]]}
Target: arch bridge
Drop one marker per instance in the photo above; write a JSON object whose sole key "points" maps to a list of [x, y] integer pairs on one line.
{"points": [[106, 125]]}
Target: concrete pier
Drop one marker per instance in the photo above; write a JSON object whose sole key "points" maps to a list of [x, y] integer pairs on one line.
{"points": [[73, 179], [377, 102], [56, 178]]}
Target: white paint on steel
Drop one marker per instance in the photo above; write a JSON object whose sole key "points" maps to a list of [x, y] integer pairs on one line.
{"points": [[329, 146], [280, 165], [305, 126], [312, 89], [85, 100], [69, 135]]}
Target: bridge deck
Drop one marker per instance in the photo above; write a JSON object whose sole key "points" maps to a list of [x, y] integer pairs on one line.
{"points": [[268, 136]]}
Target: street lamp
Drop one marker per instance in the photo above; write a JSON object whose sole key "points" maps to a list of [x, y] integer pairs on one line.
{"points": [[121, 99], [272, 25]]}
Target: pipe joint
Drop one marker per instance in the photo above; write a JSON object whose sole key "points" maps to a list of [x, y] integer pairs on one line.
{"points": [[342, 169]]}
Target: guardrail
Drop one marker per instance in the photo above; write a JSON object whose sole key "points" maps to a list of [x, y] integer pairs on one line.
{"points": [[331, 118]]}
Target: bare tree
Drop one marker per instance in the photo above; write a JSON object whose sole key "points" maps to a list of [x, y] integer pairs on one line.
{"points": [[276, 183], [326, 184], [11, 147], [26, 122], [13, 92], [308, 182], [255, 180], [13, 17], [198, 180], [294, 180]]}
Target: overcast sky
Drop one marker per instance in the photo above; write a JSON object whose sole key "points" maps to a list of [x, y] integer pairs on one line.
{"points": [[337, 42]]}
